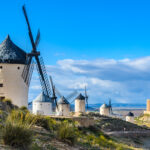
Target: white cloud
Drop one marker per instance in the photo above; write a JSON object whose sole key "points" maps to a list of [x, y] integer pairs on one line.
{"points": [[126, 80], [36, 87]]}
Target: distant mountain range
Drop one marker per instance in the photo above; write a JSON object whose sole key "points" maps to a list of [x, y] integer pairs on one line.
{"points": [[95, 107], [120, 105]]}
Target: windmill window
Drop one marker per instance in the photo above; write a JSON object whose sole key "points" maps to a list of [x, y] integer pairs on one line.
{"points": [[1, 85], [18, 68], [1, 67]]}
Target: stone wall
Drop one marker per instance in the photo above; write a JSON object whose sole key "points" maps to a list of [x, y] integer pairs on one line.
{"points": [[83, 121]]}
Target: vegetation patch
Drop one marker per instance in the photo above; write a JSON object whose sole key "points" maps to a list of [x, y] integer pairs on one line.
{"points": [[23, 130], [67, 132], [16, 135]]}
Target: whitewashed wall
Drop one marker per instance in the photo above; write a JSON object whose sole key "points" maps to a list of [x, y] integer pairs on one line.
{"points": [[79, 106], [63, 110], [104, 111], [130, 118], [42, 108], [14, 87]]}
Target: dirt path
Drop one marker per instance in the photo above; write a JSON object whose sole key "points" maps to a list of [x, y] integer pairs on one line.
{"points": [[118, 133]]}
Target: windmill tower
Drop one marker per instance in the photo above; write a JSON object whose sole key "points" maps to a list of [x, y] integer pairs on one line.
{"points": [[63, 108], [12, 63], [106, 109], [63, 105], [42, 105], [130, 117], [80, 103]]}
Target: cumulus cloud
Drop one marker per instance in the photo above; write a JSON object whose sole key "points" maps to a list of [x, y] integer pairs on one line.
{"points": [[125, 80]]}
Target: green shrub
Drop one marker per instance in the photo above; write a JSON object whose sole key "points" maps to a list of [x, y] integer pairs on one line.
{"points": [[67, 132], [46, 122], [7, 101], [17, 135], [16, 131], [24, 108], [22, 118], [3, 116]]}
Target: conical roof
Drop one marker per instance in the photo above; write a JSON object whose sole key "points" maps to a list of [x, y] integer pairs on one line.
{"points": [[63, 100], [130, 114], [10, 53], [104, 106], [80, 97], [42, 98]]}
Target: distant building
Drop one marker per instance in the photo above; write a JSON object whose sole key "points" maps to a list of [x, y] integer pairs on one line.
{"points": [[42, 105], [63, 107], [147, 107], [12, 62], [80, 104], [130, 117], [105, 110]]}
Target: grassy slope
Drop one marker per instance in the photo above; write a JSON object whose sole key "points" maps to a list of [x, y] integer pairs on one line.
{"points": [[91, 138]]}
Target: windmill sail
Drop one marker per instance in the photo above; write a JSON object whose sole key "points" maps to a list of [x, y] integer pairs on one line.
{"points": [[110, 107], [86, 97], [30, 73], [54, 97], [39, 62]]}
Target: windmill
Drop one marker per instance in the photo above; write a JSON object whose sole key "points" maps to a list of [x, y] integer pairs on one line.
{"points": [[64, 104], [27, 72], [56, 94]]}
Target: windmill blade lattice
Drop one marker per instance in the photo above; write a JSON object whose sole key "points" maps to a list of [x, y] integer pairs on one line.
{"points": [[40, 64], [54, 92], [73, 94]]}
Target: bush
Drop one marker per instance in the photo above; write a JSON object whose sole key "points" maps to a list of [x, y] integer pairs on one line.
{"points": [[46, 122], [67, 132], [8, 102], [17, 135], [3, 116], [16, 131], [22, 118], [24, 108]]}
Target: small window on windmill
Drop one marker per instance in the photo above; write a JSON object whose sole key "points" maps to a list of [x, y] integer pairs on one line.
{"points": [[18, 68], [1, 84], [1, 67]]}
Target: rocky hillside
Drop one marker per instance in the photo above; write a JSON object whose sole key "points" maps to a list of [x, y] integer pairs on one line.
{"points": [[21, 130]]}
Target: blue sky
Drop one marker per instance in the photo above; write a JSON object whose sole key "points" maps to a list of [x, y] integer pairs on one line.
{"points": [[86, 30]]}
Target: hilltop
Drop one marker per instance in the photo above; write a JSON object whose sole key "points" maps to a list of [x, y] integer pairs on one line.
{"points": [[61, 134]]}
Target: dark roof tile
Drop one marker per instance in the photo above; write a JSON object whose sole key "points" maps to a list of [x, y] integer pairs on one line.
{"points": [[80, 97], [10, 53], [130, 114], [63, 101]]}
